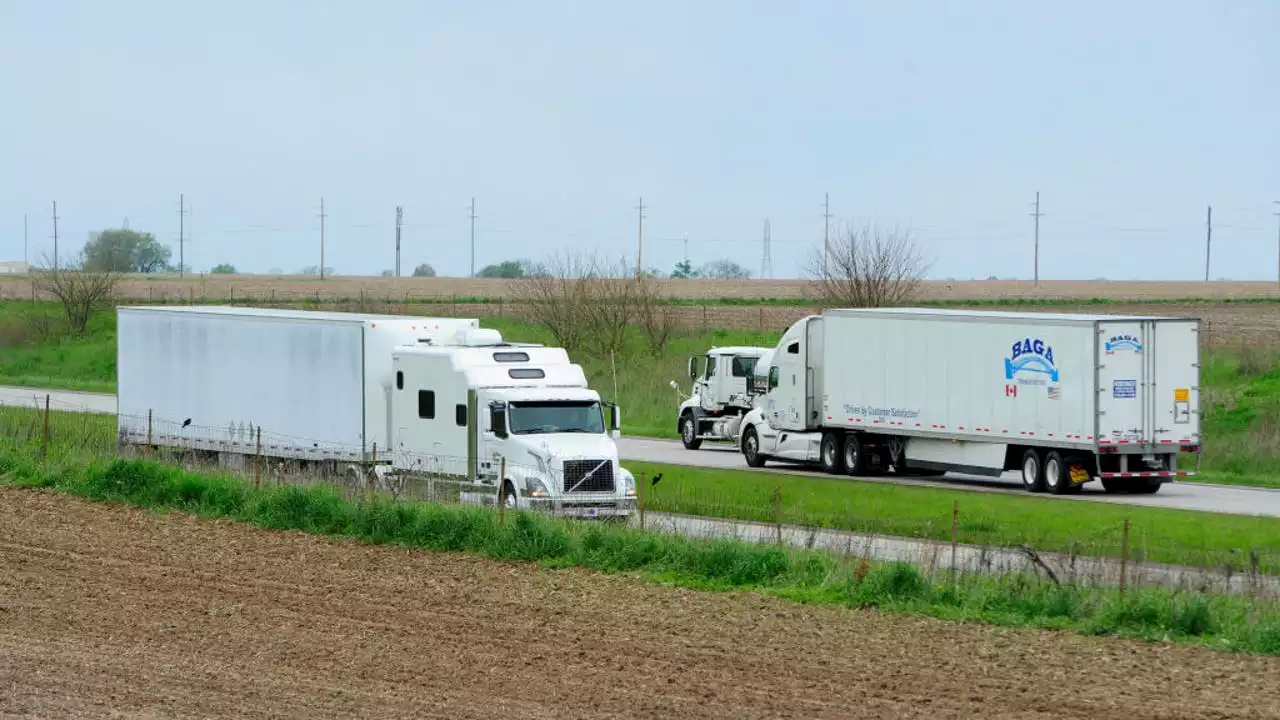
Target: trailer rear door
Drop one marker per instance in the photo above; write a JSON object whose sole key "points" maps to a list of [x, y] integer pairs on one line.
{"points": [[1123, 379], [1175, 391]]}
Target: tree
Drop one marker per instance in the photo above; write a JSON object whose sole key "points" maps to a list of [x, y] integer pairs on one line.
{"points": [[725, 269], [125, 251], [509, 269], [223, 269], [81, 290], [684, 271], [315, 270], [868, 267], [388, 273], [424, 270]]}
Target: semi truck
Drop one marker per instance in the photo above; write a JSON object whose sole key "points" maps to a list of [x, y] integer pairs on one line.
{"points": [[384, 397], [721, 394], [1063, 399]]}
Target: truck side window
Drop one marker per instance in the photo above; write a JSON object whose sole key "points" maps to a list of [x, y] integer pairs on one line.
{"points": [[773, 377], [711, 367], [399, 380], [742, 366], [427, 404], [793, 348], [460, 415]]}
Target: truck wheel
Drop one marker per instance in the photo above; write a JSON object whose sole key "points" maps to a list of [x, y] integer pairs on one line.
{"points": [[854, 459], [1056, 474], [1032, 471], [689, 433], [751, 448], [509, 497], [831, 454]]}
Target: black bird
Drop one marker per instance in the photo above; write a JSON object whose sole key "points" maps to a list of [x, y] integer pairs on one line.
{"points": [[186, 422], [656, 479]]}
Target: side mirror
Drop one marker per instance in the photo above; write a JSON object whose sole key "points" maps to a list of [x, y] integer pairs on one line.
{"points": [[615, 419], [498, 419], [693, 368]]}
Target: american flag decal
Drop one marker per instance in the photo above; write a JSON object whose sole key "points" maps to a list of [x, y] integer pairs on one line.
{"points": [[1054, 392]]}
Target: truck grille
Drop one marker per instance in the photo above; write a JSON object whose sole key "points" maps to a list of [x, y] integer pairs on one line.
{"points": [[600, 481]]}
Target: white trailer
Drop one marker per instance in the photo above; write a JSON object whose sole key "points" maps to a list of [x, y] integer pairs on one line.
{"points": [[722, 394], [330, 388], [1064, 399], [317, 383]]}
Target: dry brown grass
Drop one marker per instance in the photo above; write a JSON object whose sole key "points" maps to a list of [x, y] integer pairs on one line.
{"points": [[265, 288]]}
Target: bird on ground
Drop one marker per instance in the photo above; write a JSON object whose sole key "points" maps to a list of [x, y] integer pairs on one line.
{"points": [[656, 479], [186, 422]]}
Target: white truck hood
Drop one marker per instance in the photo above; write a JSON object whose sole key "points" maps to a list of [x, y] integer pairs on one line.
{"points": [[568, 446]]}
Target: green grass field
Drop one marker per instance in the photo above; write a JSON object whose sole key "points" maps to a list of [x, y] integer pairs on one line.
{"points": [[1223, 623], [1241, 397], [1073, 526]]}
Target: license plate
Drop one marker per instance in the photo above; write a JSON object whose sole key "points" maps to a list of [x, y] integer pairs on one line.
{"points": [[591, 512], [1078, 475]]}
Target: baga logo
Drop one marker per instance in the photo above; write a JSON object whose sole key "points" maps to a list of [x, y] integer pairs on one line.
{"points": [[1031, 355], [1123, 342]]}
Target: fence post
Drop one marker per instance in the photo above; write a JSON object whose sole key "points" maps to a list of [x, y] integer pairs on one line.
{"points": [[44, 445], [1255, 578], [502, 484], [761, 318], [257, 461], [149, 445], [372, 472], [1124, 555], [955, 536], [643, 492], [777, 513]]}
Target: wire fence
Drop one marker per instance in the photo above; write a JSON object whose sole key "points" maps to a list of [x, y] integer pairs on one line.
{"points": [[941, 541]]}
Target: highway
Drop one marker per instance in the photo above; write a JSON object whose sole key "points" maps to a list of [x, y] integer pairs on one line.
{"points": [[1230, 499]]}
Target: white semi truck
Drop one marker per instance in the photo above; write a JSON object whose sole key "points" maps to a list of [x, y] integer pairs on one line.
{"points": [[1063, 399], [398, 396], [721, 395]]}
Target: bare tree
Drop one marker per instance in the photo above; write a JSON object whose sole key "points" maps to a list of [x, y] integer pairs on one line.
{"points": [[556, 299], [81, 292], [868, 267]]}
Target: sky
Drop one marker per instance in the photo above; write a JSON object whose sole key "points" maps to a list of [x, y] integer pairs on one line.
{"points": [[942, 119]]}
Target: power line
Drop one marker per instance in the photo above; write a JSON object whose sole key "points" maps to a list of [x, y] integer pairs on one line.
{"points": [[1037, 214], [25, 258], [1277, 204], [826, 230], [182, 254]]}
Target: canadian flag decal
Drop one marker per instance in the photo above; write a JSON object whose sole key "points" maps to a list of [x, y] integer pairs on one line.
{"points": [[1010, 390]]}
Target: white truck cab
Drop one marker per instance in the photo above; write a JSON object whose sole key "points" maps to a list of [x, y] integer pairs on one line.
{"points": [[515, 422], [721, 394]]}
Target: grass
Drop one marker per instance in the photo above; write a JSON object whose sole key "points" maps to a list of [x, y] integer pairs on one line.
{"points": [[1224, 623], [1241, 388], [1083, 528], [1072, 526]]}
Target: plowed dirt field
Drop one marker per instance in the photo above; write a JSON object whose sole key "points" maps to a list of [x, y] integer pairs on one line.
{"points": [[112, 612]]}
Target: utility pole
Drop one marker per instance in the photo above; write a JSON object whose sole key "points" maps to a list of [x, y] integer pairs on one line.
{"points": [[25, 259], [1277, 204], [472, 215], [826, 230], [399, 223], [55, 234], [182, 234], [640, 238], [686, 248], [766, 261], [322, 217], [1036, 214], [1208, 240]]}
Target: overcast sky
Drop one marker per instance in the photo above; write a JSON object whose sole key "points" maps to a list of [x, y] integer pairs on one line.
{"points": [[946, 117]]}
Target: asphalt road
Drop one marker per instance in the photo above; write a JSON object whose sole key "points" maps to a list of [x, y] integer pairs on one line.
{"points": [[1228, 499]]}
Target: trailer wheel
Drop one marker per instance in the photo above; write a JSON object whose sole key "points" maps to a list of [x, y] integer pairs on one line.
{"points": [[1115, 486], [689, 433], [1144, 486], [751, 448], [1032, 471], [1057, 478], [831, 454], [854, 459]]}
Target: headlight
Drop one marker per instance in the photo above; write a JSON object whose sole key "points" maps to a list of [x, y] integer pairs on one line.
{"points": [[629, 482], [535, 488]]}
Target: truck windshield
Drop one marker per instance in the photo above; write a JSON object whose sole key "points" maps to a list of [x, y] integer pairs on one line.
{"points": [[560, 416]]}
